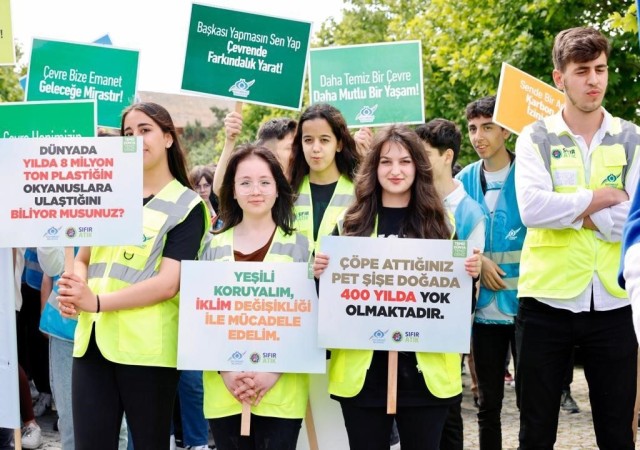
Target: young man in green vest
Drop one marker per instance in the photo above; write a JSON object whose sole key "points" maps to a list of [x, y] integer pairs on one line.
{"points": [[576, 174]]}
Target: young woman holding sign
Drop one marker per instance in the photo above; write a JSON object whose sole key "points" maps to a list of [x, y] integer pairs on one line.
{"points": [[395, 197], [125, 348], [256, 204]]}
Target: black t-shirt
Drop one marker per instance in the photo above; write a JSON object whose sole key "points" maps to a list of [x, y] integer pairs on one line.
{"points": [[183, 240], [412, 390], [320, 198]]}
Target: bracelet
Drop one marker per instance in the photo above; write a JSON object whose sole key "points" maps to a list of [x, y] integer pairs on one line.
{"points": [[97, 303]]}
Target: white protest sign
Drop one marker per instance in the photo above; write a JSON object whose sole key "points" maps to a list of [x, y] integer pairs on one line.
{"points": [[395, 294], [71, 191], [254, 316], [10, 404]]}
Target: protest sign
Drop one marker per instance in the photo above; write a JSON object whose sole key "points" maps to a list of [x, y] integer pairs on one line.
{"points": [[71, 191], [65, 70], [404, 295], [523, 99], [372, 84], [10, 405], [261, 316], [48, 119], [7, 50], [246, 57]]}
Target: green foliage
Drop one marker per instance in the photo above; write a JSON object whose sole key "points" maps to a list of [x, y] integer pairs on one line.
{"points": [[198, 141], [10, 90]]}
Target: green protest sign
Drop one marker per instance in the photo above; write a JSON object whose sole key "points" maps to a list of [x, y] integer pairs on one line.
{"points": [[71, 71], [7, 50], [48, 119], [372, 85], [246, 57]]}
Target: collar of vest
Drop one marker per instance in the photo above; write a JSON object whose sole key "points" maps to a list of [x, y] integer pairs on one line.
{"points": [[556, 124]]}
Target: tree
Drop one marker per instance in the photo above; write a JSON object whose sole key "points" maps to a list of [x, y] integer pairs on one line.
{"points": [[198, 141], [10, 89]]}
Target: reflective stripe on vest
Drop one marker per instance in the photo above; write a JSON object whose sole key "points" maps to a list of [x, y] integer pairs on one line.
{"points": [[144, 336], [504, 236], [342, 197], [560, 263], [288, 397]]}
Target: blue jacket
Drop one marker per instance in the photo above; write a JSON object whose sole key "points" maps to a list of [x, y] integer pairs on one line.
{"points": [[630, 235], [504, 235]]}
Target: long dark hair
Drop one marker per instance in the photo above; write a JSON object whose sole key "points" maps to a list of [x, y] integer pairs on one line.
{"points": [[230, 211], [175, 155], [347, 159], [426, 218]]}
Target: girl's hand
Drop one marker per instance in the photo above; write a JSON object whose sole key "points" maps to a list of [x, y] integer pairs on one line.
{"points": [[75, 296], [320, 263], [363, 139], [233, 125], [261, 383], [473, 264], [235, 384]]}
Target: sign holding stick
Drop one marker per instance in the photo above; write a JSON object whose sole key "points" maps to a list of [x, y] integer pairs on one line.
{"points": [[372, 84], [245, 420], [238, 55], [69, 192], [523, 99], [392, 382]]}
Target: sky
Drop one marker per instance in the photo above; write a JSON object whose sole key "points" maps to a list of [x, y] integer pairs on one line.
{"points": [[157, 28]]}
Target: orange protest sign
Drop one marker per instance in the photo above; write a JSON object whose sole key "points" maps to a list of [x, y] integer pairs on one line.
{"points": [[523, 99]]}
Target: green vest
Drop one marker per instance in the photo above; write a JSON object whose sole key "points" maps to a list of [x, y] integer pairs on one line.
{"points": [[303, 209], [560, 263], [348, 368], [144, 336], [288, 397]]}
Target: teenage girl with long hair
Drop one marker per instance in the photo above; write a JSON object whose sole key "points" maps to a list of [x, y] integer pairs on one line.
{"points": [[395, 197], [322, 170], [125, 348]]}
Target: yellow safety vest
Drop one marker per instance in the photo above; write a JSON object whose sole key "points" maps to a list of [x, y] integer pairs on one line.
{"points": [[560, 263], [342, 197], [288, 397], [145, 336], [348, 368]]}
